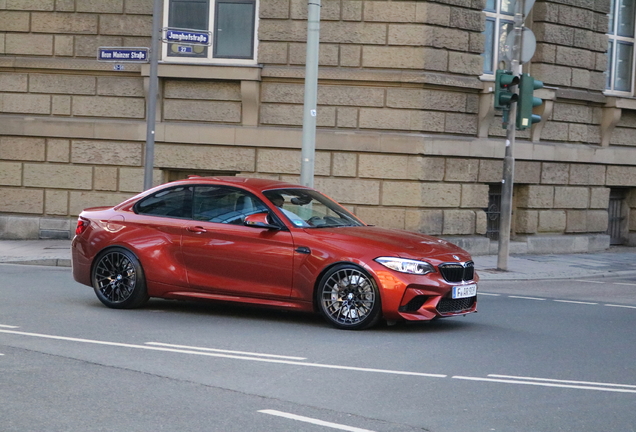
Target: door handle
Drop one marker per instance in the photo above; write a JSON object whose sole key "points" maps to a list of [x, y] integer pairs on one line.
{"points": [[196, 229]]}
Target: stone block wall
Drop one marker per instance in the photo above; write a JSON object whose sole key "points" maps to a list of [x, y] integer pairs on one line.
{"points": [[571, 55], [398, 99], [73, 29], [574, 121], [571, 43], [366, 46], [564, 198], [625, 132], [61, 38], [54, 179], [60, 177], [210, 101], [443, 36], [71, 94], [379, 107]]}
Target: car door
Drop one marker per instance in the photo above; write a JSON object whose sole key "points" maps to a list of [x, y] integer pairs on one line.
{"points": [[154, 233], [222, 255]]}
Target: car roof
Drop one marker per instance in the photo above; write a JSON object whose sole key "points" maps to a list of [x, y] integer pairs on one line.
{"points": [[254, 185]]}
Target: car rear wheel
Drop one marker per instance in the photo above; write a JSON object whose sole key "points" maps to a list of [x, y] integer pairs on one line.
{"points": [[118, 279], [348, 298]]}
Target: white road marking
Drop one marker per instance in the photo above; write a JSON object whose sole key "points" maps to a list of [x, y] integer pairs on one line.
{"points": [[547, 384], [601, 282], [563, 301], [229, 356], [527, 298], [9, 326], [528, 381], [314, 421], [621, 306], [488, 294], [225, 351], [575, 302], [563, 381]]}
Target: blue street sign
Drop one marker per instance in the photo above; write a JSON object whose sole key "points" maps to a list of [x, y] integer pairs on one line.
{"points": [[114, 54], [187, 37]]}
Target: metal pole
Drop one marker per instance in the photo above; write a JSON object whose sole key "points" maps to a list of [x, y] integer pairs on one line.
{"points": [[509, 157], [311, 94], [151, 106]]}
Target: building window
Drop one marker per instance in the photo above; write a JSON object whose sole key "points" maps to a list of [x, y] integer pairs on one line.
{"points": [[499, 22], [620, 50], [232, 24]]}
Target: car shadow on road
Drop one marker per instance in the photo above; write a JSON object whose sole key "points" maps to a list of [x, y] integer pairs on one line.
{"points": [[259, 313], [218, 312]]}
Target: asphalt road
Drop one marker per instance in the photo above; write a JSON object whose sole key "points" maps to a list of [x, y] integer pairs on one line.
{"points": [[539, 356]]}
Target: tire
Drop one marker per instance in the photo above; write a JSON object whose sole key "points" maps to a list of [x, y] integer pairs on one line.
{"points": [[118, 279], [348, 298]]}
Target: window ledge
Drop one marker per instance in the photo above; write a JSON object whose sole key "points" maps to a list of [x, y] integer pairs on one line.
{"points": [[581, 95], [235, 73], [621, 102]]}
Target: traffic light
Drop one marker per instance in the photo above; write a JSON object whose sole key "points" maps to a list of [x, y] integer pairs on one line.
{"points": [[527, 101], [503, 95]]}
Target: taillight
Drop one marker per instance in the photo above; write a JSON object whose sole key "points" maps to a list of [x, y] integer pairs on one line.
{"points": [[82, 225]]}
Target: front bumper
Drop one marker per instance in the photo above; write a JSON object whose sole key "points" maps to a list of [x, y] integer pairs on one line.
{"points": [[422, 298], [419, 305]]}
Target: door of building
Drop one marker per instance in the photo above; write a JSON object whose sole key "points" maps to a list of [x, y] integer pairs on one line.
{"points": [[617, 216]]}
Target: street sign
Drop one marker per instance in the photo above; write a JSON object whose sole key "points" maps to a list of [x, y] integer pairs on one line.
{"points": [[115, 54], [528, 45], [186, 36], [185, 49]]}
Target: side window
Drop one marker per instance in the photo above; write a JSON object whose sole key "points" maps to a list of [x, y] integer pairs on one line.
{"points": [[499, 22], [620, 49], [175, 202], [224, 205], [231, 23]]}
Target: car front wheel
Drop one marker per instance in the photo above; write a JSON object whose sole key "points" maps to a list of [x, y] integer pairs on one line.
{"points": [[118, 279], [348, 298]]}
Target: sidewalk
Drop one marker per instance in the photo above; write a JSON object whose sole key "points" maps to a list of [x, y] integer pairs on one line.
{"points": [[614, 262], [36, 252]]}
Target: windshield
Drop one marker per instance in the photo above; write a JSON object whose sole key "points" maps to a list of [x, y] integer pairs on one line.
{"points": [[310, 209]]}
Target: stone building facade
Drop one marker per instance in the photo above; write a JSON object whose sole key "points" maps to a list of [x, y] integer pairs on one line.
{"points": [[407, 135]]}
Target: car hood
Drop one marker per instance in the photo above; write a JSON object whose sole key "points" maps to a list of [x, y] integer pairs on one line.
{"points": [[387, 242]]}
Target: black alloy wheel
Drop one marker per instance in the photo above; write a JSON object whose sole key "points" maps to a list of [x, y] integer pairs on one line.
{"points": [[348, 298], [118, 279]]}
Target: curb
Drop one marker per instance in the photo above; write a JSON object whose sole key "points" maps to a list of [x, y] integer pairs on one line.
{"points": [[512, 276], [49, 262]]}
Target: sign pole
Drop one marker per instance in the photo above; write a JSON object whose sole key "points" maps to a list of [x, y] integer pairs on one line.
{"points": [[308, 152], [509, 157], [151, 106]]}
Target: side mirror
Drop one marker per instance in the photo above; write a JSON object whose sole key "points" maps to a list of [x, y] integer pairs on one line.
{"points": [[259, 220]]}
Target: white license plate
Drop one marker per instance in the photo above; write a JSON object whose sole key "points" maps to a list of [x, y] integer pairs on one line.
{"points": [[465, 291]]}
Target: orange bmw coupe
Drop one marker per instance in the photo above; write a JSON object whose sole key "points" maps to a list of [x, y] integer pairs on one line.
{"points": [[267, 243]]}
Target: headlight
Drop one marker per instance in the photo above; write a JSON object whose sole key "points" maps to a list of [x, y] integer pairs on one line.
{"points": [[403, 265]]}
